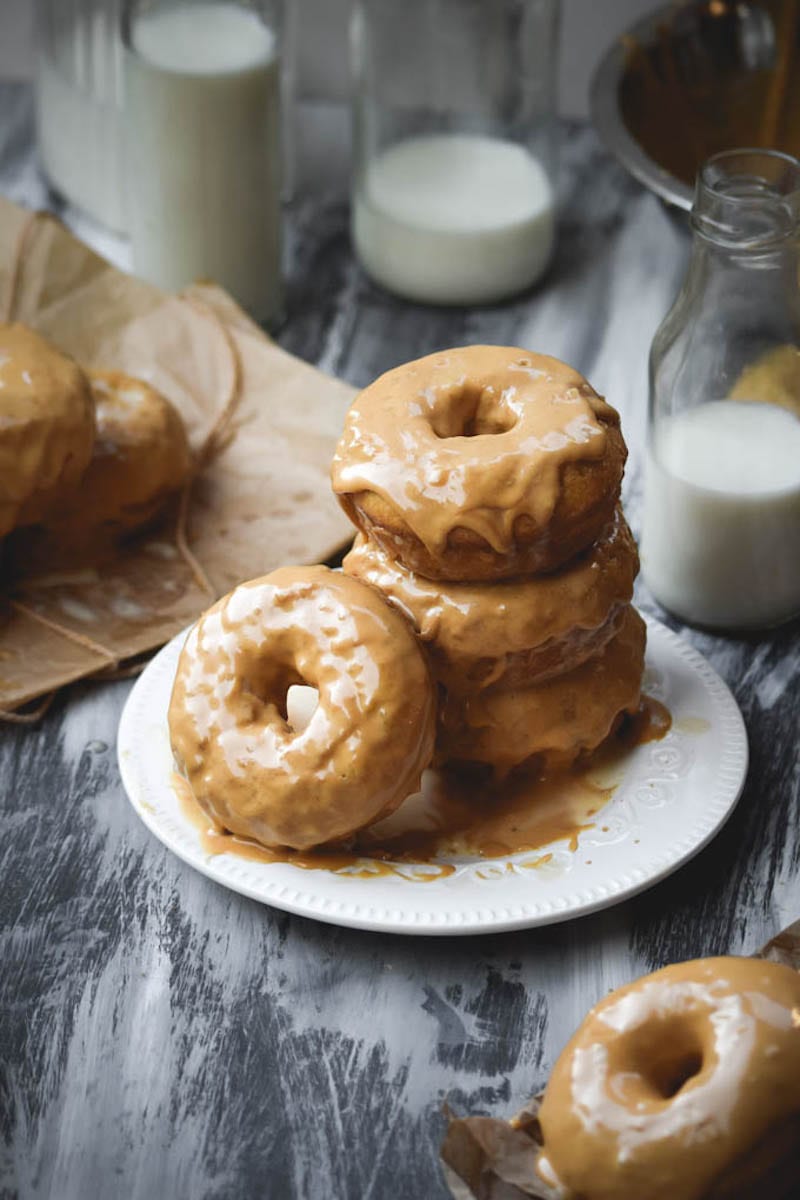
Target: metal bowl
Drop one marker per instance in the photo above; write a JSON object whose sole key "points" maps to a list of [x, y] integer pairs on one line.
{"points": [[695, 78]]}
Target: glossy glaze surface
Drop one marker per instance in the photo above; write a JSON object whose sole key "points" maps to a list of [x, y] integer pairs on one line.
{"points": [[673, 1078], [140, 459], [556, 720], [544, 624], [475, 438], [46, 424], [367, 741], [463, 813]]}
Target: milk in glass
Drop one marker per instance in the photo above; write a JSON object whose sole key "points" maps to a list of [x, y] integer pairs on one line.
{"points": [[721, 524], [455, 219], [202, 102]]}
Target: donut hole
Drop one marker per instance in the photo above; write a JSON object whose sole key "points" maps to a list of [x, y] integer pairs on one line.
{"points": [[666, 1055], [472, 412], [675, 1075], [279, 686]]}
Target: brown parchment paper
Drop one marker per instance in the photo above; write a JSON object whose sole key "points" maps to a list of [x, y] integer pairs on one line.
{"points": [[265, 500], [485, 1158]]}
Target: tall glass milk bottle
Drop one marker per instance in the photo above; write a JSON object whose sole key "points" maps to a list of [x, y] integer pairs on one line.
{"points": [[721, 525], [453, 195], [202, 116]]}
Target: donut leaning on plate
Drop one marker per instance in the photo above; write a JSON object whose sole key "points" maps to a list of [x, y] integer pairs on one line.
{"points": [[684, 1085], [367, 742], [549, 725], [47, 427], [480, 463], [515, 632]]}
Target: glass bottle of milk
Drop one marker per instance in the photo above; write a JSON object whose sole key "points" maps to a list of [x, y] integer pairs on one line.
{"points": [[202, 117], [721, 524], [454, 149]]}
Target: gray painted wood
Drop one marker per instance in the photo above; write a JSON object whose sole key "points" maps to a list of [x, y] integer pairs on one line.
{"points": [[162, 1037]]}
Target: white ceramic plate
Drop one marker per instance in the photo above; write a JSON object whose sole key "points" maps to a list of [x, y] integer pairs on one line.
{"points": [[674, 796]]}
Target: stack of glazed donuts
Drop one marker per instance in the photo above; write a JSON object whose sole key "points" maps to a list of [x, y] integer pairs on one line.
{"points": [[86, 457], [484, 483], [483, 615]]}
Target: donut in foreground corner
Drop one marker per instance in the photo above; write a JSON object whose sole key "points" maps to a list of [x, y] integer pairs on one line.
{"points": [[684, 1085], [367, 742]]}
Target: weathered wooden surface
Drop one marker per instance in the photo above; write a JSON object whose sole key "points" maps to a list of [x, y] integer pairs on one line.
{"points": [[162, 1037]]}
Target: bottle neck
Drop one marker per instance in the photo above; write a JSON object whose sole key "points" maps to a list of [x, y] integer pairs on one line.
{"points": [[745, 224], [757, 267], [729, 293], [740, 303], [747, 202]]}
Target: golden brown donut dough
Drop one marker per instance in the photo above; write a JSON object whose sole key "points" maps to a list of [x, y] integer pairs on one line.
{"points": [[367, 742], [553, 722], [512, 633], [141, 455], [684, 1085], [46, 425], [480, 463], [140, 458]]}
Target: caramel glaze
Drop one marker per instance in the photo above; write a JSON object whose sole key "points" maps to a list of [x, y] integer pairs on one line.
{"points": [[141, 454], [565, 716], [140, 459], [475, 439], [463, 814], [46, 424], [675, 1079], [366, 743], [545, 624]]}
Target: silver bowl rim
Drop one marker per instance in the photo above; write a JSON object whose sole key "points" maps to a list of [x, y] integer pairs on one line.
{"points": [[607, 118]]}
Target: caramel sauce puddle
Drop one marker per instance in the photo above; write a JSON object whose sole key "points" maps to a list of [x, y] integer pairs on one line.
{"points": [[461, 813]]}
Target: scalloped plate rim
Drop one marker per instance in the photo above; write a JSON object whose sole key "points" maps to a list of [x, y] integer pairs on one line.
{"points": [[266, 883]]}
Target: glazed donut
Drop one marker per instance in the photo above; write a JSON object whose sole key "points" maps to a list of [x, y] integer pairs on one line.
{"points": [[552, 723], [516, 632], [480, 463], [367, 742], [46, 425], [684, 1085], [141, 457]]}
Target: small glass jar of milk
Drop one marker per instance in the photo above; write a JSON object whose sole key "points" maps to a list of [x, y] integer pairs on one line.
{"points": [[721, 525], [203, 164], [454, 145]]}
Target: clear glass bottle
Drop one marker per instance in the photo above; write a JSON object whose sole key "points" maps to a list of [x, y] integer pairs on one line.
{"points": [[202, 118], [79, 104], [721, 523], [454, 145]]}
